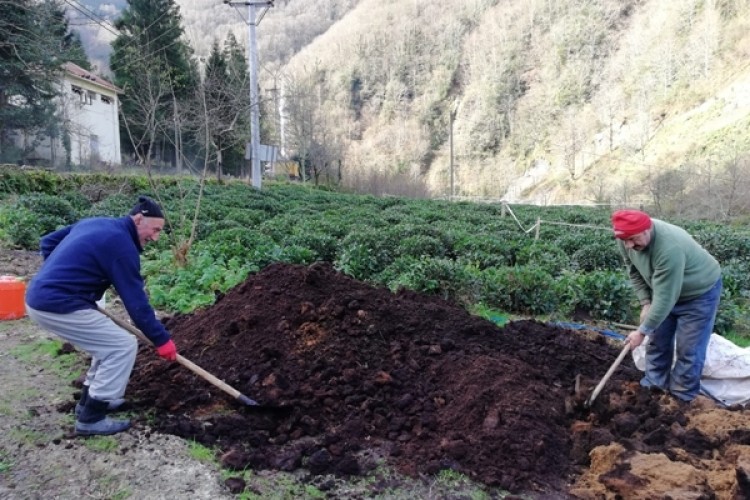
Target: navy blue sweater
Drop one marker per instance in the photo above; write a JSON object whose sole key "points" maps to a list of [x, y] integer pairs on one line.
{"points": [[82, 260]]}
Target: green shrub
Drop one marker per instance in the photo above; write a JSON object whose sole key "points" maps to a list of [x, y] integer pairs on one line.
{"points": [[729, 317], [49, 208], [736, 278], [446, 278], [519, 289], [186, 288], [596, 256], [542, 255], [420, 246], [236, 242], [724, 243], [488, 251], [33, 215], [23, 228], [322, 246], [78, 201], [604, 295], [116, 205], [364, 252]]}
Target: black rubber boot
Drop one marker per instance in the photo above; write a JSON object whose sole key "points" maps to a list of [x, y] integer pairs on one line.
{"points": [[93, 420], [82, 401], [112, 405]]}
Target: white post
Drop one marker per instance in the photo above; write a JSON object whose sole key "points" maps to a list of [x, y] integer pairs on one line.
{"points": [[252, 67], [252, 62]]}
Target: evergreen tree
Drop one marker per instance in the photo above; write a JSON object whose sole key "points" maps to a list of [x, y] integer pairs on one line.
{"points": [[35, 41], [224, 111], [238, 79], [153, 65]]}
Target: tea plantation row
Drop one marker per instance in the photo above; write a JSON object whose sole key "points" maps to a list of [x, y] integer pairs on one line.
{"points": [[485, 257]]}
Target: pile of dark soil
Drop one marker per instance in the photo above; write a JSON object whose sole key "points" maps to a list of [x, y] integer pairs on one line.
{"points": [[414, 377]]}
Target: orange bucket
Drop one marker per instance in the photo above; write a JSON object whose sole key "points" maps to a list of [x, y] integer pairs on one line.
{"points": [[12, 292]]}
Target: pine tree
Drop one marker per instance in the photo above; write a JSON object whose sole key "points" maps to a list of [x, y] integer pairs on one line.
{"points": [[154, 67], [35, 41], [238, 80], [223, 119]]}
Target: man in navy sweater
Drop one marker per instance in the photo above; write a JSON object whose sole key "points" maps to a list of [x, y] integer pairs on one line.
{"points": [[81, 262]]}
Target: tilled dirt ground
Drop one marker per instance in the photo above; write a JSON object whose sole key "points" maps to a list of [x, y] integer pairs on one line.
{"points": [[431, 387], [366, 377]]}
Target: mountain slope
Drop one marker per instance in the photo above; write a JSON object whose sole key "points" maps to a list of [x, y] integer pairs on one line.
{"points": [[602, 97], [571, 101]]}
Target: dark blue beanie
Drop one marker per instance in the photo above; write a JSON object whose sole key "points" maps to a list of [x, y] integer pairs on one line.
{"points": [[147, 207]]}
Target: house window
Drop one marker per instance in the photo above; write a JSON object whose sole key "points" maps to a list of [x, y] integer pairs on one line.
{"points": [[106, 100], [85, 96]]}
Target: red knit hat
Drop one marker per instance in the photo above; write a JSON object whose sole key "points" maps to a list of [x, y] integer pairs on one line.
{"points": [[627, 223]]}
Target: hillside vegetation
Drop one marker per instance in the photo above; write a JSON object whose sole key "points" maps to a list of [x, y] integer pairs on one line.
{"points": [[595, 101], [552, 262]]}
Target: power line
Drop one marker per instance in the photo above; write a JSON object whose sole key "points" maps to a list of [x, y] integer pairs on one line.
{"points": [[91, 15]]}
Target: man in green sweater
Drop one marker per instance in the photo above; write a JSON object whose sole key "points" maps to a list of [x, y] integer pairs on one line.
{"points": [[679, 286]]}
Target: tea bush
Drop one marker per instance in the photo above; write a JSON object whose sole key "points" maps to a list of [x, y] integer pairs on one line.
{"points": [[468, 253], [364, 252], [596, 256], [604, 295], [447, 278], [543, 255], [33, 215], [522, 289]]}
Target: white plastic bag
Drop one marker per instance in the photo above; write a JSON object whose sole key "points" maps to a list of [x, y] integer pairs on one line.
{"points": [[726, 373]]}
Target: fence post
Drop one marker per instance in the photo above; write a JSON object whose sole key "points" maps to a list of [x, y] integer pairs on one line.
{"points": [[538, 225]]}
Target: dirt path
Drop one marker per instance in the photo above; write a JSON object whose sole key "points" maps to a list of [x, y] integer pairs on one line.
{"points": [[39, 457]]}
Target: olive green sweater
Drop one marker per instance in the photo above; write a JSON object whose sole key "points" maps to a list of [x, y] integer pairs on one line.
{"points": [[671, 269]]}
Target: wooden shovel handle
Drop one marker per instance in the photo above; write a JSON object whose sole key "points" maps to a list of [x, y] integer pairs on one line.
{"points": [[609, 373], [184, 362]]}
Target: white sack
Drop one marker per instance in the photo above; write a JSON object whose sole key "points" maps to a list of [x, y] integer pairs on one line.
{"points": [[726, 373]]}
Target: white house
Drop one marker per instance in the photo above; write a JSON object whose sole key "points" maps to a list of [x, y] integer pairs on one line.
{"points": [[90, 126]]}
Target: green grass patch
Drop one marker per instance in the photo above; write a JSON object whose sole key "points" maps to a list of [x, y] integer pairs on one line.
{"points": [[102, 444], [382, 482], [500, 318], [740, 340], [201, 453], [47, 354], [37, 349], [5, 463], [29, 436]]}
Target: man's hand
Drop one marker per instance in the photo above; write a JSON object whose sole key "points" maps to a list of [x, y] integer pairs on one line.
{"points": [[635, 339], [644, 311], [167, 351]]}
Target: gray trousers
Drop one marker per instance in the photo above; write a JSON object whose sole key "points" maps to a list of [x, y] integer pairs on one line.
{"points": [[111, 348]]}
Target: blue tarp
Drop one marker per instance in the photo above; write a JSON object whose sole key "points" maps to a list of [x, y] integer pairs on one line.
{"points": [[604, 331]]}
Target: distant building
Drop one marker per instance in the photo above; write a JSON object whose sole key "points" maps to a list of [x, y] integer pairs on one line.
{"points": [[90, 126]]}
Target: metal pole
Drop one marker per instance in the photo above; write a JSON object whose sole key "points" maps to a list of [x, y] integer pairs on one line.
{"points": [[452, 117], [252, 66], [252, 62]]}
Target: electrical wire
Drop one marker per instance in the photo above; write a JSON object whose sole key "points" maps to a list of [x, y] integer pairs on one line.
{"points": [[91, 15]]}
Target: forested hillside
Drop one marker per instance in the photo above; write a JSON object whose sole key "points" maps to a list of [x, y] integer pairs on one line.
{"points": [[566, 101]]}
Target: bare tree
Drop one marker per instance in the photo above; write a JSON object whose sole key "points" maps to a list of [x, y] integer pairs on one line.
{"points": [[310, 132]]}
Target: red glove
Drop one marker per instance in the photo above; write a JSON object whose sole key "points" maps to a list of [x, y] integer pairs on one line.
{"points": [[167, 351]]}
